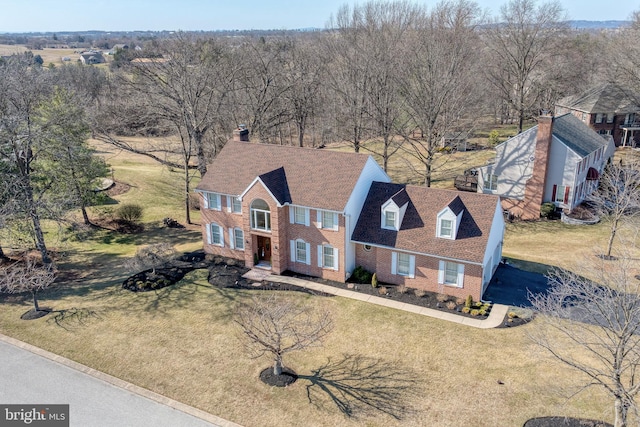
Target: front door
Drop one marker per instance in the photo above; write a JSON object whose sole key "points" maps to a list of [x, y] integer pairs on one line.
{"points": [[264, 249]]}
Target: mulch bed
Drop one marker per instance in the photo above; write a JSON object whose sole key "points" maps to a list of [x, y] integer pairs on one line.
{"points": [[33, 314], [564, 422], [429, 300], [287, 377], [149, 280], [508, 322], [118, 188]]}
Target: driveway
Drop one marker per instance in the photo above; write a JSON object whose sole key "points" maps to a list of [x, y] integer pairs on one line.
{"points": [[511, 286], [28, 378]]}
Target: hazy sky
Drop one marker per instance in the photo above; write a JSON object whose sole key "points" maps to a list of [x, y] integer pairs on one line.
{"points": [[125, 15]]}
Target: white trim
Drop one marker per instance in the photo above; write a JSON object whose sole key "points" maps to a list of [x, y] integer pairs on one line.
{"points": [[308, 249], [292, 247], [320, 256], [336, 260], [257, 179], [441, 272], [229, 204], [394, 262], [232, 240], [208, 229], [460, 276]]}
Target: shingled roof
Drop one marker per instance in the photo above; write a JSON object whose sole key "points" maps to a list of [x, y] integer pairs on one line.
{"points": [[309, 177], [418, 229], [576, 135], [607, 98]]}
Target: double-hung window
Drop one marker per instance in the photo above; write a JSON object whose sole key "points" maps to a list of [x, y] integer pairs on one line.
{"points": [[328, 220], [300, 215], [403, 264], [390, 219], [215, 235], [213, 201], [491, 182], [451, 273], [238, 238], [446, 228], [236, 205], [327, 257]]}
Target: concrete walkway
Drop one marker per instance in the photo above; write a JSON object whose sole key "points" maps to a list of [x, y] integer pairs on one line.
{"points": [[30, 375], [495, 318]]}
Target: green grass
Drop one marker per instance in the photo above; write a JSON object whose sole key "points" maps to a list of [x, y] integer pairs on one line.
{"points": [[181, 341]]}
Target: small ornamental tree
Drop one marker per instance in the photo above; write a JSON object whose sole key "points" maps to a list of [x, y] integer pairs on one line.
{"points": [[151, 257], [27, 276], [277, 325]]}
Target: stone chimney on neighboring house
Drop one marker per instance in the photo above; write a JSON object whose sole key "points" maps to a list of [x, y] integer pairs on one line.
{"points": [[534, 190], [241, 134]]}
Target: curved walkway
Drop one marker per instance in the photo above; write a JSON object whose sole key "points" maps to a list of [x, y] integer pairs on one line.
{"points": [[495, 318], [30, 375]]}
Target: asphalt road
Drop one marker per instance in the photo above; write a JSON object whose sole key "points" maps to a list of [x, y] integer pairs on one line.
{"points": [[27, 378], [511, 286]]}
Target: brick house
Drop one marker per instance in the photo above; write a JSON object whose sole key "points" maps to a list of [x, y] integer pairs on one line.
{"points": [[607, 109], [559, 160], [322, 213]]}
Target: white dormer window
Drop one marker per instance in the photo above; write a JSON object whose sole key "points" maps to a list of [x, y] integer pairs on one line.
{"points": [[448, 223], [446, 228], [390, 219]]}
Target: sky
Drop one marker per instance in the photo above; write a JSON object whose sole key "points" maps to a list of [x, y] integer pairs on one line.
{"points": [[191, 15]]}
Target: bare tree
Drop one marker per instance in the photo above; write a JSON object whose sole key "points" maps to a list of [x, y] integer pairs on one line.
{"points": [[519, 41], [27, 276], [277, 325], [624, 57], [617, 198], [440, 86], [152, 257], [591, 323]]}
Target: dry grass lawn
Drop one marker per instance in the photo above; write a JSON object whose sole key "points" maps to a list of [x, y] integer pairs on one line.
{"points": [[181, 341], [49, 56]]}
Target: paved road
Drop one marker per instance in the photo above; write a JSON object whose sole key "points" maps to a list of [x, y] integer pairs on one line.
{"points": [[28, 378], [511, 286]]}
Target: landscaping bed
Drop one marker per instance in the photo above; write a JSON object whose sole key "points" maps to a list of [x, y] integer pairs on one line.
{"points": [[406, 295]]}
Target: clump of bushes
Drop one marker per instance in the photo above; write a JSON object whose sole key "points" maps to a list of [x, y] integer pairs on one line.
{"points": [[420, 292], [451, 305], [382, 290], [129, 212], [442, 298], [402, 288], [547, 210], [360, 275], [494, 138]]}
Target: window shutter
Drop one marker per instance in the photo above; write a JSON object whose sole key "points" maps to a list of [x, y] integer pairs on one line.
{"points": [[320, 255], [292, 214], [232, 242], [394, 262], [335, 259], [307, 214], [553, 194], [228, 203], [441, 272], [566, 194], [461, 275], [205, 200], [208, 227], [221, 233], [293, 250], [335, 221], [308, 250], [319, 218], [412, 266]]}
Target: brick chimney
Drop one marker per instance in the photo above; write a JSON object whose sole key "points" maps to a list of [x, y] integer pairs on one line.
{"points": [[534, 190], [241, 134]]}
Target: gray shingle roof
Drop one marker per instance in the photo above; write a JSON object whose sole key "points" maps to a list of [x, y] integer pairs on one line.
{"points": [[607, 98], [576, 135], [314, 177], [418, 229]]}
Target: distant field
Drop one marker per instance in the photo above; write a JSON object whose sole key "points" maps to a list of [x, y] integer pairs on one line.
{"points": [[50, 56]]}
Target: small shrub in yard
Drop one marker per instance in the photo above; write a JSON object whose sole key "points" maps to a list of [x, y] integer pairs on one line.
{"points": [[420, 293], [129, 212], [475, 312], [483, 311], [460, 301], [442, 298], [402, 288], [466, 309], [360, 275], [468, 301], [512, 315], [382, 290], [374, 280], [547, 210], [451, 305]]}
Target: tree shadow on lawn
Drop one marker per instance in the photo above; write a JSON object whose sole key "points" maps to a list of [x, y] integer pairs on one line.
{"points": [[360, 385]]}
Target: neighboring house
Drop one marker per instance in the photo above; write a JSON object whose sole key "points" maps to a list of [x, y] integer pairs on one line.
{"points": [[92, 57], [609, 110], [322, 213], [559, 160]]}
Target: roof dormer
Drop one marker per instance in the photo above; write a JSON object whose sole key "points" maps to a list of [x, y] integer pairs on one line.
{"points": [[449, 218], [393, 210]]}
